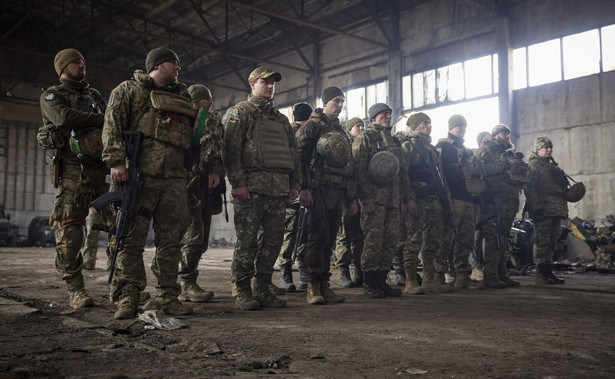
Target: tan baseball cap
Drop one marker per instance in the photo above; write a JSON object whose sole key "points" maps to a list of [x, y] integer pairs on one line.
{"points": [[264, 73]]}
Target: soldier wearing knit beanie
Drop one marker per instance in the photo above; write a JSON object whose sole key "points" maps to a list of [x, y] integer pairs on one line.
{"points": [[64, 57]]}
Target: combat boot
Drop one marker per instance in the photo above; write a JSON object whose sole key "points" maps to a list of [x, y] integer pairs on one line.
{"points": [[542, 277], [277, 291], [303, 283], [385, 287], [89, 263], [313, 293], [463, 281], [505, 279], [431, 283], [127, 307], [370, 285], [345, 281], [76, 292], [286, 278], [357, 276], [328, 295], [551, 275], [477, 274], [243, 297], [412, 286], [400, 277], [192, 292], [493, 282], [176, 308], [263, 295], [440, 278]]}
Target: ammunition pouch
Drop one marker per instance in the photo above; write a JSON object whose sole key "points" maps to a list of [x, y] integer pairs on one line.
{"points": [[87, 142], [49, 137], [425, 189], [335, 149]]}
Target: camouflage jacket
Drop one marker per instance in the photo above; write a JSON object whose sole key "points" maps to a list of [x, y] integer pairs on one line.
{"points": [[504, 171], [364, 147], [239, 122], [422, 179], [545, 192], [312, 165], [208, 153], [128, 102], [71, 105], [453, 156]]}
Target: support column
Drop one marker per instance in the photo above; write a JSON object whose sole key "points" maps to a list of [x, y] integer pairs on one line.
{"points": [[505, 77]]}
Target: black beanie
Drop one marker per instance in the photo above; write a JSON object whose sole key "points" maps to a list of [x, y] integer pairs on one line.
{"points": [[302, 111], [158, 56]]}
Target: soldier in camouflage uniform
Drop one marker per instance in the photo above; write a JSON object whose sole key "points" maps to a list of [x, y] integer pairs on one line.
{"points": [[547, 206], [476, 257], [168, 132], [454, 156], [382, 184], [91, 241], [349, 241], [262, 164], [73, 107], [425, 229], [205, 176], [505, 174], [301, 113], [326, 166]]}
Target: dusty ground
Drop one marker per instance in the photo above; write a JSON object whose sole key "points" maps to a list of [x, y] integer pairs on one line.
{"points": [[537, 332]]}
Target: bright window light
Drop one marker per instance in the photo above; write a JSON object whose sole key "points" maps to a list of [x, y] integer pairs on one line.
{"points": [[608, 50], [581, 54], [545, 62], [478, 77], [418, 92], [430, 87], [519, 68], [450, 83], [496, 72], [406, 92], [355, 103]]}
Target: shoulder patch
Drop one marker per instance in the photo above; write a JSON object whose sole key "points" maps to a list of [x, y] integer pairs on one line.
{"points": [[50, 96], [112, 99], [233, 120]]}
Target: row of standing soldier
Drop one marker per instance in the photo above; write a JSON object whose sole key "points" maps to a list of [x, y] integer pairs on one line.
{"points": [[398, 181]]}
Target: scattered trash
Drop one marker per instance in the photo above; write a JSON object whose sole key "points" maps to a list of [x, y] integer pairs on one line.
{"points": [[416, 371], [160, 320]]}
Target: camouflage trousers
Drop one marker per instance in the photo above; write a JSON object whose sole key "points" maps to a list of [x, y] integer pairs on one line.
{"points": [[546, 232], [196, 239], [323, 223], [423, 235], [92, 237], [77, 188], [164, 201], [457, 248], [291, 222], [350, 240], [398, 257], [259, 226], [381, 236], [476, 257], [494, 257]]}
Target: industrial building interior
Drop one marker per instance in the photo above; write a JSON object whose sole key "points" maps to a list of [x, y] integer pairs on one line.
{"points": [[542, 67]]}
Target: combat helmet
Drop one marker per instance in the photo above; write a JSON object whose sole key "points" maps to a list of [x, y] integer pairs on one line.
{"points": [[575, 192], [383, 167], [335, 149]]}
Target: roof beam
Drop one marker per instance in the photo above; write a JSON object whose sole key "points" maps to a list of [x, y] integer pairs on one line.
{"points": [[306, 23]]}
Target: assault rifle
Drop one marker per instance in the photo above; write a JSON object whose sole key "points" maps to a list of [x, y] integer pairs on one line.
{"points": [[500, 228], [440, 188], [125, 197], [303, 215]]}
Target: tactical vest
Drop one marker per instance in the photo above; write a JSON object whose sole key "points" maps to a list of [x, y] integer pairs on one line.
{"points": [[271, 151], [168, 119]]}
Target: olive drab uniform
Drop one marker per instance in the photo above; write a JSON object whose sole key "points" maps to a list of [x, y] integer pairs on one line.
{"points": [[424, 230], [381, 177], [73, 107], [140, 105], [260, 153], [453, 157], [326, 166], [545, 193], [204, 158], [505, 174]]}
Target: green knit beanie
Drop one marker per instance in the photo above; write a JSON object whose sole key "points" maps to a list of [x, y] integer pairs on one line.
{"points": [[158, 56], [329, 93], [199, 92], [416, 119], [352, 122], [455, 120]]}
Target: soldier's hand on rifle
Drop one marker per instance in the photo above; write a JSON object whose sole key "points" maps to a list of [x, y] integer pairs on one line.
{"points": [[213, 181], [353, 208], [411, 208], [119, 173], [305, 198], [293, 194], [241, 193]]}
